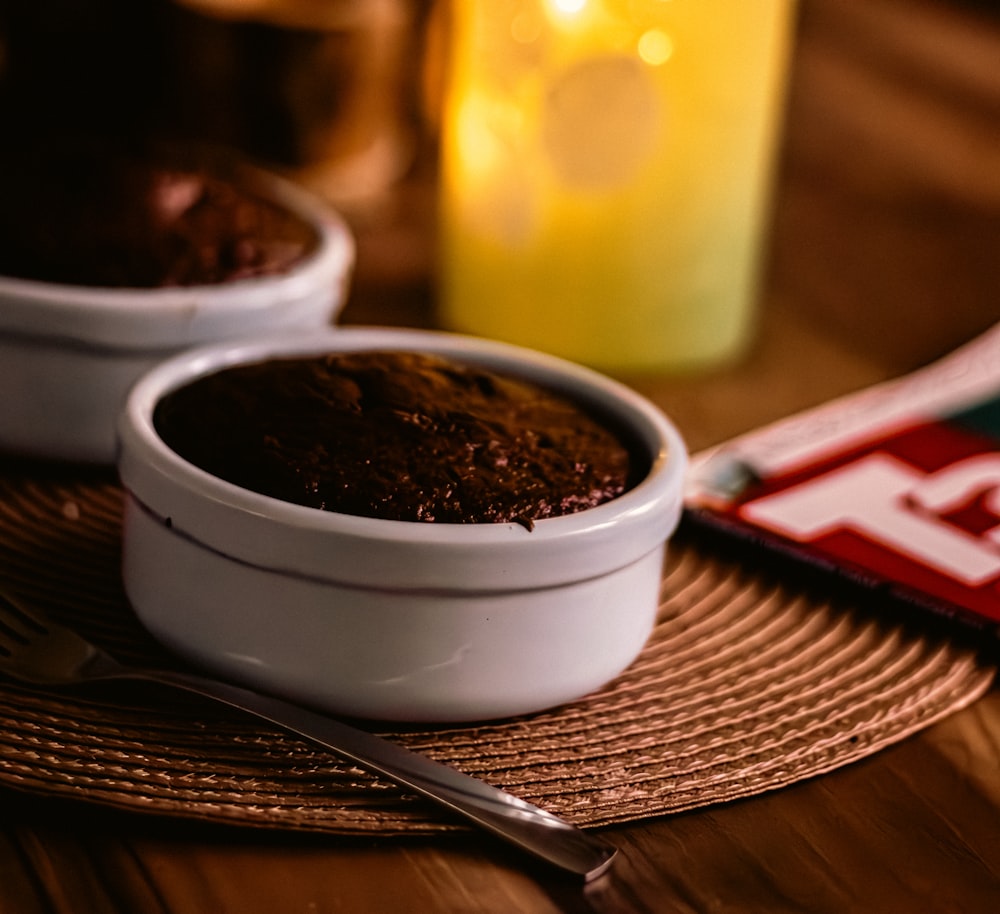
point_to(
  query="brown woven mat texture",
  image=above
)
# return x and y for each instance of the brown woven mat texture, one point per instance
(746, 685)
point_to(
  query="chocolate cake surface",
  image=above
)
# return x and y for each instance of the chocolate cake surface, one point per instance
(400, 436)
(112, 216)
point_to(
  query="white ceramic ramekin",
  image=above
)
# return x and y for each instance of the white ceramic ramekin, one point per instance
(68, 354)
(395, 619)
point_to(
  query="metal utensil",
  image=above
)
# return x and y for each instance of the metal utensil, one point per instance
(36, 650)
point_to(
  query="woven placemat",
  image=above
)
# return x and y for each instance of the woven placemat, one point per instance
(748, 684)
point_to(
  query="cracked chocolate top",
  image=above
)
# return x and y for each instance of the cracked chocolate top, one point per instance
(102, 215)
(401, 436)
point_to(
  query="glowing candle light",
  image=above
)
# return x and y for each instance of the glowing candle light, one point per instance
(605, 173)
(655, 47)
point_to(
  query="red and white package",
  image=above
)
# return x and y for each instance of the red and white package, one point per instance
(896, 487)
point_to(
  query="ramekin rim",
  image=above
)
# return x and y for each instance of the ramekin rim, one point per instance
(82, 312)
(140, 444)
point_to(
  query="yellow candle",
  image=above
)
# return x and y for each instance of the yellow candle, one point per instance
(605, 169)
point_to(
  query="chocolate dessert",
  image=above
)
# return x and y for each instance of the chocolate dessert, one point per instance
(100, 214)
(400, 436)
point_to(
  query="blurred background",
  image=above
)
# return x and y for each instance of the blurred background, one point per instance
(342, 95)
(329, 89)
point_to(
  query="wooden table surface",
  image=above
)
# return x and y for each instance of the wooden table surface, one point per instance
(885, 254)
